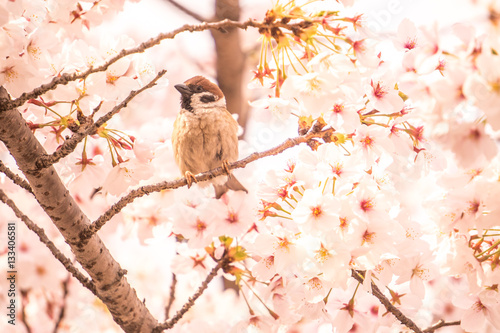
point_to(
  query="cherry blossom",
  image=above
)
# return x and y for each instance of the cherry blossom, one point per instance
(383, 96)
(279, 107)
(316, 212)
(481, 308)
(124, 175)
(407, 37)
(313, 88)
(395, 183)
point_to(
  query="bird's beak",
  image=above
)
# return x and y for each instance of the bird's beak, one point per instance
(183, 89)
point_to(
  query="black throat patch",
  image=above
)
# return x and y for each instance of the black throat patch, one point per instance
(186, 103)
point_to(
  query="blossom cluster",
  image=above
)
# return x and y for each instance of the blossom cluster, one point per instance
(400, 191)
(405, 191)
(46, 39)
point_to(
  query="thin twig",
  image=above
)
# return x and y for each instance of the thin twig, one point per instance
(15, 178)
(70, 145)
(45, 240)
(148, 189)
(358, 275)
(63, 306)
(172, 296)
(188, 11)
(440, 324)
(189, 304)
(24, 319)
(65, 78)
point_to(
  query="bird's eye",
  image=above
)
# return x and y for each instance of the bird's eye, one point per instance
(198, 89)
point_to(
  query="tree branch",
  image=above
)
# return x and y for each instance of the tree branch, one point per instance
(15, 178)
(62, 312)
(173, 184)
(172, 296)
(358, 275)
(188, 11)
(69, 145)
(112, 286)
(65, 78)
(65, 261)
(440, 324)
(189, 304)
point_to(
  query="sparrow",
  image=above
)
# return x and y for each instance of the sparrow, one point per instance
(205, 134)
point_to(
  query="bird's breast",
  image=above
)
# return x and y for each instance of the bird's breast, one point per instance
(206, 138)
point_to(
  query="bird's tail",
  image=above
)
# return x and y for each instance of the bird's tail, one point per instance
(231, 184)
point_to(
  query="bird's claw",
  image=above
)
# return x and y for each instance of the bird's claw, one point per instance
(225, 167)
(190, 178)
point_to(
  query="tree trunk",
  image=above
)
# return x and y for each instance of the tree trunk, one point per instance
(112, 286)
(230, 59)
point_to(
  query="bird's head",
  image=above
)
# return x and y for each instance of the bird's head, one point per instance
(200, 93)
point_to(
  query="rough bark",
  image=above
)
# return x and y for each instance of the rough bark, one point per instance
(230, 59)
(112, 286)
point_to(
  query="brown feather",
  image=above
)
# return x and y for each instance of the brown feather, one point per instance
(206, 84)
(231, 184)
